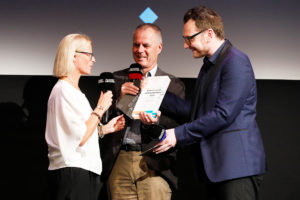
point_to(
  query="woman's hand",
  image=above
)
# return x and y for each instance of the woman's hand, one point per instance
(105, 101)
(114, 125)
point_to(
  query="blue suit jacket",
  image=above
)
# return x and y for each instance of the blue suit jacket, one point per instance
(224, 126)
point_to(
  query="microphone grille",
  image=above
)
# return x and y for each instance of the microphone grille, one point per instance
(103, 80)
(135, 68)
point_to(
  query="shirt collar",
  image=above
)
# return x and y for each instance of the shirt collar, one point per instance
(153, 71)
(214, 57)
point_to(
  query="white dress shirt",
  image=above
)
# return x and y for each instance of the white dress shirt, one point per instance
(152, 71)
(68, 110)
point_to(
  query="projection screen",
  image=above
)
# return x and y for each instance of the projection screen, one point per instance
(30, 31)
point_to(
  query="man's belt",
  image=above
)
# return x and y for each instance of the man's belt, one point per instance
(131, 147)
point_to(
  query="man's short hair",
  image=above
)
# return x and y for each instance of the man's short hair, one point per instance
(155, 27)
(206, 18)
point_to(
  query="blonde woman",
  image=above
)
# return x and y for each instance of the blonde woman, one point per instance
(73, 127)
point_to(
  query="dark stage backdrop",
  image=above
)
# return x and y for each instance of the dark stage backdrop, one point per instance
(267, 30)
(23, 105)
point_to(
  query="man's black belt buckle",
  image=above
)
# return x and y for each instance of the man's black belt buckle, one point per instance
(131, 147)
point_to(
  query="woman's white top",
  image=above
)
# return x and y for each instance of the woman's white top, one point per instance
(68, 110)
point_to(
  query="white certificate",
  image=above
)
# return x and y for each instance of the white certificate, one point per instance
(151, 95)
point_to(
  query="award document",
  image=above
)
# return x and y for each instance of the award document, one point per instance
(151, 96)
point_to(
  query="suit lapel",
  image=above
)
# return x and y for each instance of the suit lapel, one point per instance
(196, 95)
(200, 95)
(216, 68)
(159, 72)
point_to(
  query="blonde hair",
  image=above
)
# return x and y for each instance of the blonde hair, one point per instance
(63, 64)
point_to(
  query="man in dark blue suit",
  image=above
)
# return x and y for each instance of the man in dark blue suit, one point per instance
(227, 145)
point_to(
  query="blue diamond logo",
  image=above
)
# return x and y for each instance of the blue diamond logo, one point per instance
(148, 16)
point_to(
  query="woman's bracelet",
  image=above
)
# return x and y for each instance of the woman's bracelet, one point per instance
(100, 107)
(94, 113)
(100, 129)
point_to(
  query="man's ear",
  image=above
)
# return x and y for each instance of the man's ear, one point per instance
(160, 46)
(210, 35)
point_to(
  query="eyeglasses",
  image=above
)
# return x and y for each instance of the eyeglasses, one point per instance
(188, 39)
(87, 53)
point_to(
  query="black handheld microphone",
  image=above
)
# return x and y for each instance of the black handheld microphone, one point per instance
(135, 74)
(106, 82)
